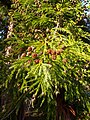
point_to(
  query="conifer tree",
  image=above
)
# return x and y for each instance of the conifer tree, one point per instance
(49, 64)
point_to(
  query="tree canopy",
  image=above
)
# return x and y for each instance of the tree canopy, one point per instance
(45, 59)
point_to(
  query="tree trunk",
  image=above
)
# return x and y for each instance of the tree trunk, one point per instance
(60, 102)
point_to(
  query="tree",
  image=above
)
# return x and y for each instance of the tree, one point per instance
(47, 58)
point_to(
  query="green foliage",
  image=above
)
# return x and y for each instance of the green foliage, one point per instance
(57, 56)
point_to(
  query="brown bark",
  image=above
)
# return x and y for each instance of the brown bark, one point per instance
(63, 110)
(60, 102)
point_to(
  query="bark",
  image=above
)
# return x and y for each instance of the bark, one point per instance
(60, 102)
(63, 110)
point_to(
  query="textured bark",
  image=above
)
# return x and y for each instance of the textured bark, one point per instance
(63, 110)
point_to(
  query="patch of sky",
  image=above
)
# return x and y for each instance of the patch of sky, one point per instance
(1, 34)
(86, 4)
